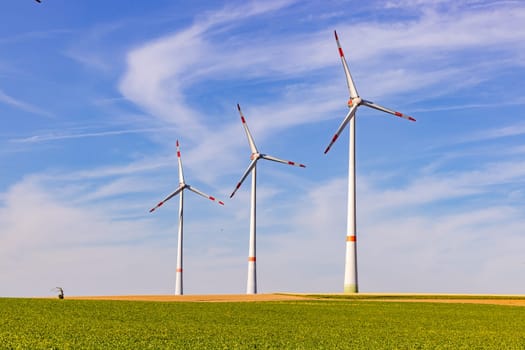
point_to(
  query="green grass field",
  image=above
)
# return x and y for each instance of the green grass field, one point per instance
(325, 324)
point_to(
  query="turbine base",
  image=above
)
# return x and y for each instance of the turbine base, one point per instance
(350, 289)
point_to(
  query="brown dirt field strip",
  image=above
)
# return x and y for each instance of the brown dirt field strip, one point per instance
(289, 297)
(508, 302)
(198, 298)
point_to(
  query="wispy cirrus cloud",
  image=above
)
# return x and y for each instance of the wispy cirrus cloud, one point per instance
(299, 53)
(162, 82)
(35, 35)
(57, 136)
(496, 133)
(21, 105)
(160, 88)
(438, 185)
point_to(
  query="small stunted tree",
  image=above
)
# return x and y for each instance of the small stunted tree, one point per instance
(60, 292)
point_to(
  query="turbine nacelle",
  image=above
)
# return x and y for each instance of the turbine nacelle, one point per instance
(356, 101)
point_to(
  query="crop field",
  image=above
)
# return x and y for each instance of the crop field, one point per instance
(334, 323)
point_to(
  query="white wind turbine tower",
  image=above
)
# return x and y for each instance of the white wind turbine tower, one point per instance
(350, 281)
(251, 285)
(180, 190)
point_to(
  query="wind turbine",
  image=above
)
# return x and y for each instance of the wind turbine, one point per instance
(251, 285)
(350, 281)
(180, 190)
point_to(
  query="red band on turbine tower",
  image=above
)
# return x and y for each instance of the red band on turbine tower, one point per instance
(179, 270)
(251, 258)
(351, 238)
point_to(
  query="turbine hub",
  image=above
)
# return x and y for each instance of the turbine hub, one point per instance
(255, 156)
(354, 102)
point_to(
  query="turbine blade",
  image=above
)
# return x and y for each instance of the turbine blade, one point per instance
(177, 191)
(383, 109)
(349, 81)
(250, 167)
(181, 174)
(248, 134)
(193, 189)
(275, 159)
(349, 116)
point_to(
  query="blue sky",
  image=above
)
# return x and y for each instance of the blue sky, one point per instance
(94, 95)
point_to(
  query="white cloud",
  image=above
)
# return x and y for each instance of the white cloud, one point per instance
(123, 185)
(24, 106)
(35, 35)
(72, 239)
(159, 72)
(458, 248)
(60, 135)
(500, 132)
(47, 240)
(136, 167)
(159, 78)
(443, 252)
